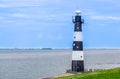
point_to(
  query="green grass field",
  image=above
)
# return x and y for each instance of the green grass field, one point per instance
(102, 74)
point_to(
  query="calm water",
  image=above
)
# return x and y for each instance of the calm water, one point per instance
(37, 64)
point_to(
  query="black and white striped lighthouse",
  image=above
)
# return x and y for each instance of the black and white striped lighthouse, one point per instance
(77, 54)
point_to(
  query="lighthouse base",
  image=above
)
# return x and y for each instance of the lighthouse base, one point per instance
(77, 66)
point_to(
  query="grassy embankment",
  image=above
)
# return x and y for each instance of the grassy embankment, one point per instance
(102, 74)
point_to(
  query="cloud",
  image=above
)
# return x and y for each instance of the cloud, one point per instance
(15, 18)
(20, 3)
(117, 18)
(20, 15)
(3, 6)
(1, 18)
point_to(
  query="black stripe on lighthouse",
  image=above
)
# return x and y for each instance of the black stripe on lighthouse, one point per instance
(77, 46)
(78, 26)
(77, 55)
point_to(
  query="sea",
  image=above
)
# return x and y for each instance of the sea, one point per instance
(38, 64)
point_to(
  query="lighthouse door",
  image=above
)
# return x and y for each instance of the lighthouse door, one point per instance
(80, 67)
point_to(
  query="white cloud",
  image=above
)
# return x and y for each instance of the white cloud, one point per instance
(105, 17)
(20, 15)
(108, 1)
(3, 5)
(1, 18)
(9, 18)
(20, 3)
(50, 37)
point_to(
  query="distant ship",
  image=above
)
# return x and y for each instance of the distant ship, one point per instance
(46, 48)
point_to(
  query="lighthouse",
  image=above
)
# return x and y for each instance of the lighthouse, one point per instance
(77, 53)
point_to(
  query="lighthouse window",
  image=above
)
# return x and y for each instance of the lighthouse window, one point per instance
(74, 44)
(77, 27)
(81, 56)
(77, 23)
(77, 46)
(74, 37)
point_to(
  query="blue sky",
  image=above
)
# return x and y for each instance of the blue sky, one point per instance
(47, 23)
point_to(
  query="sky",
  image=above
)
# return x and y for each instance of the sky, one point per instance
(48, 23)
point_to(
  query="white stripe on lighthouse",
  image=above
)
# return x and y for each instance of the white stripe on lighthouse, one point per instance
(77, 36)
(77, 55)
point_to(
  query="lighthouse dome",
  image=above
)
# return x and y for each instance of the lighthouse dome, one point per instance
(78, 12)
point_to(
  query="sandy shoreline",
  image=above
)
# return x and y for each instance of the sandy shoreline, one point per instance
(62, 75)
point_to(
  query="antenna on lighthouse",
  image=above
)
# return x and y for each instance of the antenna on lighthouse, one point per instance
(73, 20)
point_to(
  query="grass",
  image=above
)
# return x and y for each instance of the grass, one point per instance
(102, 74)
